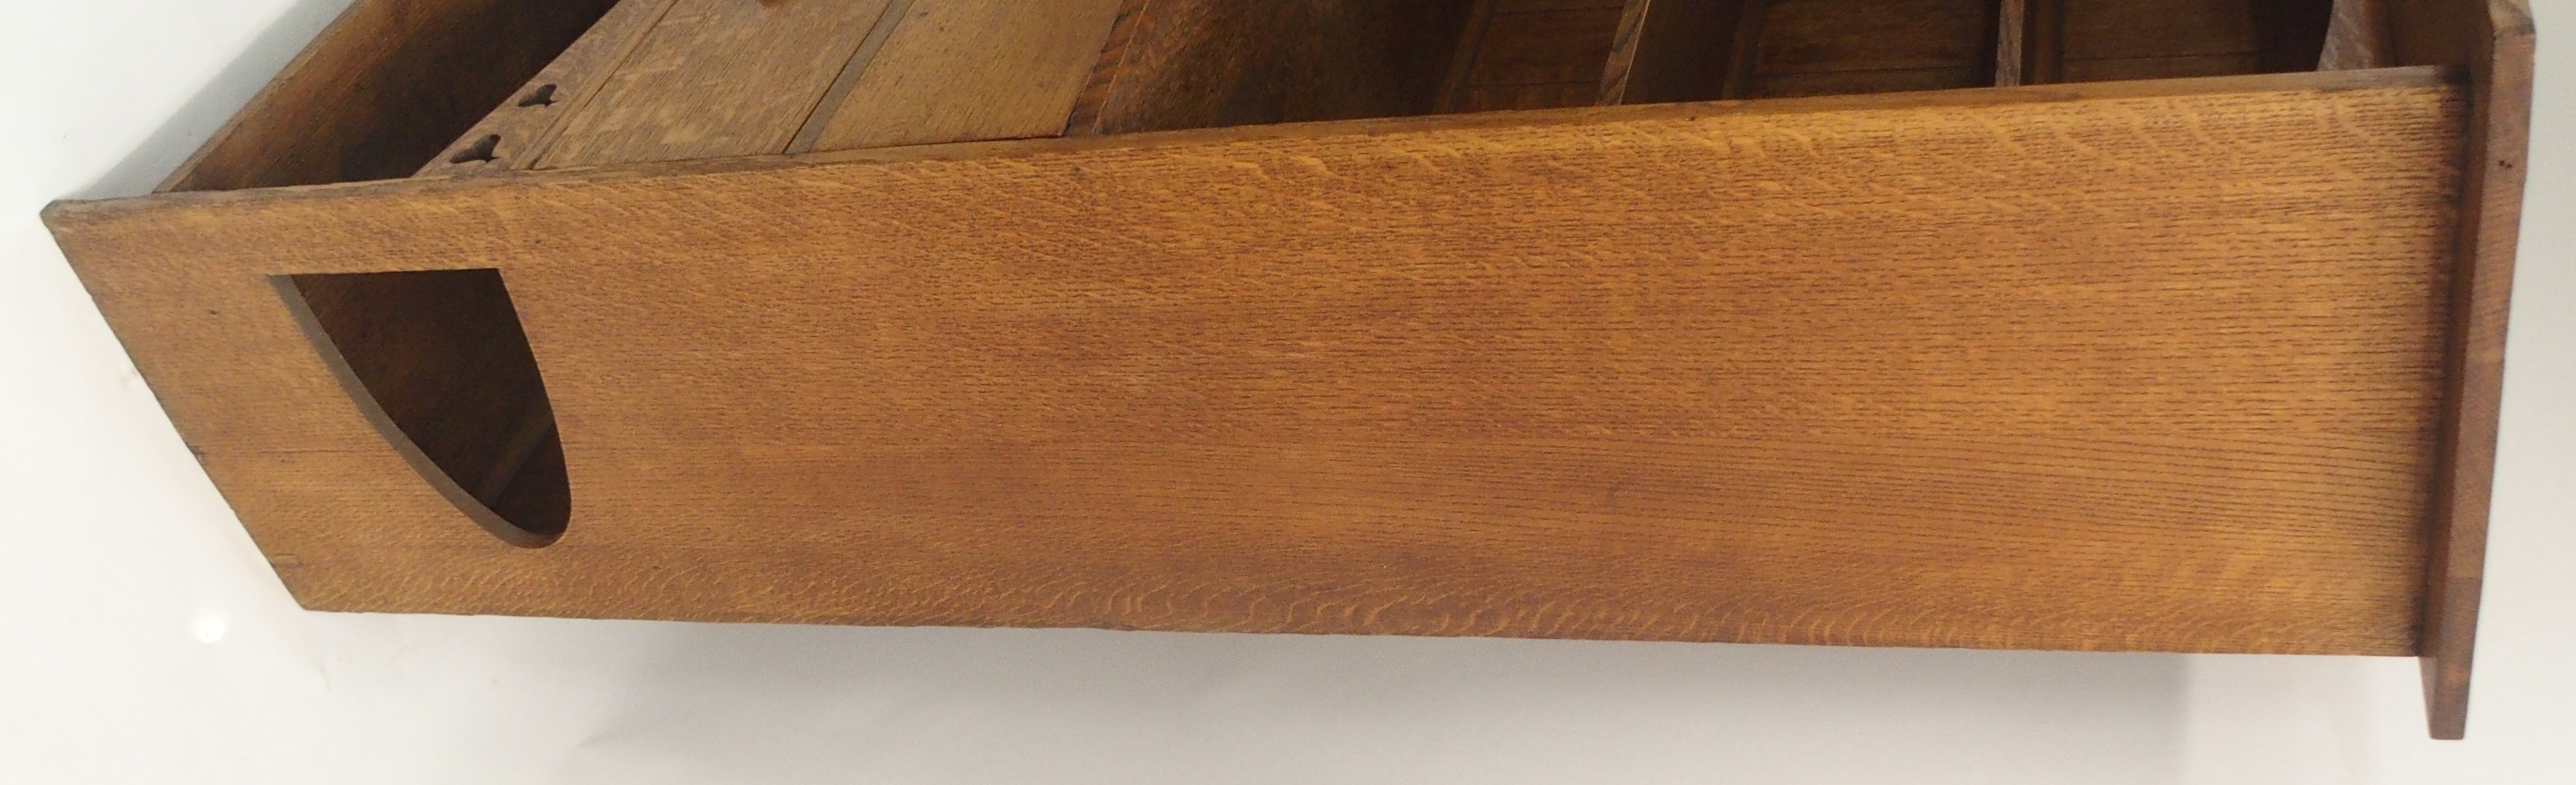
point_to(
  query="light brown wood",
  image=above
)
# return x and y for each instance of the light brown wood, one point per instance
(512, 136)
(1412, 376)
(359, 102)
(2495, 39)
(969, 70)
(1174, 64)
(717, 78)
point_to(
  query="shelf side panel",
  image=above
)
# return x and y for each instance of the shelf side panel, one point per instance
(1859, 370)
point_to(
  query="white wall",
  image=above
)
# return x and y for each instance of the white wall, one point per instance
(142, 638)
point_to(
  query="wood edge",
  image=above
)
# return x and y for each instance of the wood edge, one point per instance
(1623, 53)
(76, 214)
(268, 94)
(555, 129)
(1091, 106)
(328, 351)
(818, 121)
(2011, 38)
(2490, 226)
(1744, 50)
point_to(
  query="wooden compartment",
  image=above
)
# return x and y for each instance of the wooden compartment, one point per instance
(2067, 324)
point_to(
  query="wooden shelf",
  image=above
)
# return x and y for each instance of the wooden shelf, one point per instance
(2064, 324)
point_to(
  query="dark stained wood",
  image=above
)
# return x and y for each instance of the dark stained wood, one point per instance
(2043, 45)
(2495, 40)
(2156, 39)
(1824, 47)
(383, 90)
(1410, 376)
(1174, 64)
(1671, 50)
(2290, 35)
(440, 365)
(1520, 54)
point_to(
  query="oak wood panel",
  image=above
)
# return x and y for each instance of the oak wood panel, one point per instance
(512, 135)
(1533, 55)
(717, 78)
(2495, 40)
(1176, 64)
(382, 90)
(2163, 39)
(1412, 376)
(969, 70)
(1811, 47)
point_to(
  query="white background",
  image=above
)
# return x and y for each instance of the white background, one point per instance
(143, 639)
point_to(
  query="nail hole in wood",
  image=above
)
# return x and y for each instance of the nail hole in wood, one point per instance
(483, 150)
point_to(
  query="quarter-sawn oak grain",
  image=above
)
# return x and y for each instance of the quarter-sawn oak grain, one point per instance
(1850, 370)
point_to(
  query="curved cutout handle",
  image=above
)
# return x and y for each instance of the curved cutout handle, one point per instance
(438, 362)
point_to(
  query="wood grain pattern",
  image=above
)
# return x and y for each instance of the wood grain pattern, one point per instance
(970, 70)
(513, 135)
(717, 78)
(1176, 64)
(2496, 39)
(1848, 370)
(2357, 37)
(2161, 39)
(382, 90)
(1832, 47)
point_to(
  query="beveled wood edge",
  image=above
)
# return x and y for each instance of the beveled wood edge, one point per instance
(269, 93)
(328, 351)
(2490, 224)
(65, 212)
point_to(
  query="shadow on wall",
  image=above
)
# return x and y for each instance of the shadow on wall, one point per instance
(215, 103)
(778, 704)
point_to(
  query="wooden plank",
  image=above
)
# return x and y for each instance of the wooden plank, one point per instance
(512, 135)
(2495, 40)
(1811, 47)
(969, 70)
(2044, 42)
(1670, 50)
(2012, 44)
(2357, 37)
(2159, 39)
(382, 90)
(1744, 49)
(1174, 64)
(1545, 47)
(1407, 376)
(716, 78)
